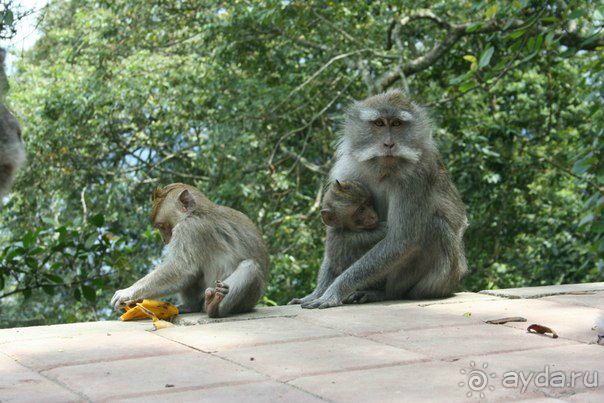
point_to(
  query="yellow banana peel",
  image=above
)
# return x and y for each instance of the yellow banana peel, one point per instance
(158, 309)
(157, 323)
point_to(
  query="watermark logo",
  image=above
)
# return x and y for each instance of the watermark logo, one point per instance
(477, 379)
(549, 378)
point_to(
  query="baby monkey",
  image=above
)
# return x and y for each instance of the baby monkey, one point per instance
(353, 227)
(348, 206)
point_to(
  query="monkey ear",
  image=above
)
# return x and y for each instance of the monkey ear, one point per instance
(328, 217)
(187, 200)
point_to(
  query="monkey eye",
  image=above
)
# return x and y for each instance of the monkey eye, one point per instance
(361, 209)
(378, 122)
(396, 122)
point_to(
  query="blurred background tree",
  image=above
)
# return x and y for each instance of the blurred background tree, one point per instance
(243, 99)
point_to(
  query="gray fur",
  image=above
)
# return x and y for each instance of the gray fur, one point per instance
(422, 253)
(12, 152)
(208, 243)
(342, 249)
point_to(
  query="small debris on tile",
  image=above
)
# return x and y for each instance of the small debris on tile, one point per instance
(540, 329)
(505, 320)
(168, 385)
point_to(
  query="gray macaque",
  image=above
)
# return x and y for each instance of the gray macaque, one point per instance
(12, 151)
(208, 247)
(353, 227)
(387, 146)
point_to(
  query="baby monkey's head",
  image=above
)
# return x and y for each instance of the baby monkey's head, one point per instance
(348, 205)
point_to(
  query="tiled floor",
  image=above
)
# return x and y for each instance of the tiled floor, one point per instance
(397, 351)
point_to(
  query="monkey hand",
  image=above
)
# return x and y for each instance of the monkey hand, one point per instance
(303, 300)
(325, 301)
(122, 297)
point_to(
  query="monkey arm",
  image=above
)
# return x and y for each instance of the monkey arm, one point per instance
(326, 277)
(388, 254)
(359, 239)
(324, 280)
(167, 278)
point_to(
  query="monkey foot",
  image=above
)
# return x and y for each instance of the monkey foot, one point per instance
(213, 297)
(365, 296)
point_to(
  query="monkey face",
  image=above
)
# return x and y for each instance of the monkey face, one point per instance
(365, 218)
(165, 230)
(171, 208)
(348, 205)
(386, 127)
(165, 220)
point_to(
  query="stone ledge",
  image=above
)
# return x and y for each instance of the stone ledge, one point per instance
(545, 291)
(388, 351)
(290, 311)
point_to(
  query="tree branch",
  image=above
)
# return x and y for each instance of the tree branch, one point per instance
(454, 33)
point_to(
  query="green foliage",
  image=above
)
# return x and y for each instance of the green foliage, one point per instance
(243, 99)
(10, 14)
(71, 263)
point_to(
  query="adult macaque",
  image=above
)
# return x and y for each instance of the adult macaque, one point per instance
(12, 152)
(209, 247)
(353, 227)
(387, 145)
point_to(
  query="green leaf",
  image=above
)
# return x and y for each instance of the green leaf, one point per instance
(56, 265)
(467, 86)
(587, 219)
(600, 175)
(54, 278)
(460, 78)
(97, 220)
(549, 38)
(47, 220)
(485, 58)
(8, 18)
(29, 239)
(473, 27)
(491, 11)
(576, 14)
(549, 19)
(90, 241)
(538, 43)
(89, 293)
(583, 164)
(49, 290)
(597, 227)
(517, 34)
